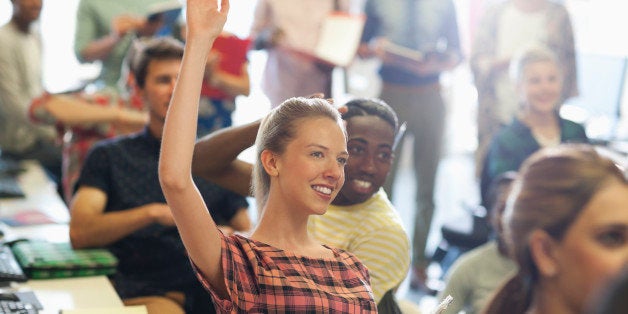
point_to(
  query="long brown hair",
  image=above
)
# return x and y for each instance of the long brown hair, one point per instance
(552, 188)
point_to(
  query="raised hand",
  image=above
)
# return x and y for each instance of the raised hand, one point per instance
(125, 23)
(206, 18)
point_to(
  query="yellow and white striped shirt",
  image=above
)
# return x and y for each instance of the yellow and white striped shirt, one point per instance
(373, 232)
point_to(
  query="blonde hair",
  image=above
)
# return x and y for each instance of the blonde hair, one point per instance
(278, 128)
(530, 55)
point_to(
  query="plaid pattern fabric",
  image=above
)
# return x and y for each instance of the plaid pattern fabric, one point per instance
(374, 233)
(264, 279)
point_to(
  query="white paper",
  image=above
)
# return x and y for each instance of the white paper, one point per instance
(339, 38)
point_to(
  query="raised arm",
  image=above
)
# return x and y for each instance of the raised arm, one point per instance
(205, 19)
(215, 157)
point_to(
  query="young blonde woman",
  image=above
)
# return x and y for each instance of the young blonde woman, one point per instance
(539, 83)
(361, 219)
(301, 153)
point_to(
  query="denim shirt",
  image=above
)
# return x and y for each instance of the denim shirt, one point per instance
(422, 25)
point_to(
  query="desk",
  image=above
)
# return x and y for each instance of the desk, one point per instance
(41, 197)
(54, 294)
(73, 293)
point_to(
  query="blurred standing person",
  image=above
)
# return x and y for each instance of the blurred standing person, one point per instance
(20, 81)
(226, 77)
(282, 27)
(499, 35)
(412, 88)
(105, 30)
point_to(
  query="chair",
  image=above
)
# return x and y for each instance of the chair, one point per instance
(462, 235)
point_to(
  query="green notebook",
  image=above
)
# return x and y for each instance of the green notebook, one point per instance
(43, 260)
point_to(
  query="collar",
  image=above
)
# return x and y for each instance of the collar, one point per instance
(520, 127)
(149, 138)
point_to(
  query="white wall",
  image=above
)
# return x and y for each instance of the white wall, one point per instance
(598, 25)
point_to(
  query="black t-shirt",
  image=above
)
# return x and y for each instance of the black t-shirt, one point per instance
(152, 259)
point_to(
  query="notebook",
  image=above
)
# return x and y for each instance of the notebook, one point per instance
(43, 260)
(337, 42)
(168, 12)
(339, 38)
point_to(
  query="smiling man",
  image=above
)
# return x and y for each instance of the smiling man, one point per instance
(361, 219)
(119, 203)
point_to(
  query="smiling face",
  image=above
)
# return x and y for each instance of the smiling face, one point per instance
(310, 171)
(370, 158)
(595, 247)
(540, 86)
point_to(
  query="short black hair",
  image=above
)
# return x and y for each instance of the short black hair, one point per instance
(372, 107)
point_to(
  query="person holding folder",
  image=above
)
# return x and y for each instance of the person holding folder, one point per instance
(288, 30)
(411, 86)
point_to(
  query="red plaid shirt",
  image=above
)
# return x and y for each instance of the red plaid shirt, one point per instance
(264, 279)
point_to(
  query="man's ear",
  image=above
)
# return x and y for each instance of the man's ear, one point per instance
(543, 249)
(269, 161)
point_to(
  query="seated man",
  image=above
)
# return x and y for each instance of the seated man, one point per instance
(360, 219)
(119, 203)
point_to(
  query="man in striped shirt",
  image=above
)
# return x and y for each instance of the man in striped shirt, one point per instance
(360, 220)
